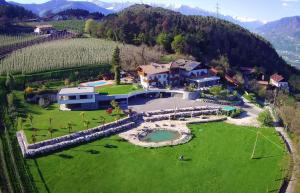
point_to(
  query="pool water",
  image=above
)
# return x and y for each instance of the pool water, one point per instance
(161, 136)
(96, 84)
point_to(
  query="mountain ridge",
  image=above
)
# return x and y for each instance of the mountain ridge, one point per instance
(114, 7)
(56, 6)
(284, 34)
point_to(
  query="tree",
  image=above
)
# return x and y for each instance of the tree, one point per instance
(70, 126)
(116, 63)
(30, 117)
(82, 114)
(90, 26)
(50, 129)
(265, 118)
(164, 40)
(216, 90)
(178, 44)
(102, 119)
(9, 83)
(33, 138)
(87, 123)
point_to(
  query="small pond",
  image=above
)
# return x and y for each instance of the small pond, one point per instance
(161, 136)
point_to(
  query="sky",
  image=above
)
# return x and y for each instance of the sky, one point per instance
(263, 10)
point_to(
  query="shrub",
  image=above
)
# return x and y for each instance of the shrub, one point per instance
(250, 97)
(236, 113)
(265, 118)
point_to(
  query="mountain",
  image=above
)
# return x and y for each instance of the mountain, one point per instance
(184, 9)
(289, 26)
(284, 34)
(114, 7)
(60, 5)
(205, 38)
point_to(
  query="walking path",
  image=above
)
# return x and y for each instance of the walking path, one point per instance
(292, 150)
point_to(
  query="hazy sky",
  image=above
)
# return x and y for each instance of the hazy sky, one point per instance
(264, 10)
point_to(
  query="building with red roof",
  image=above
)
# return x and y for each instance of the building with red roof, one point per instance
(279, 81)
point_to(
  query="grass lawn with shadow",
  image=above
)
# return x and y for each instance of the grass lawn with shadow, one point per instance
(216, 160)
(60, 119)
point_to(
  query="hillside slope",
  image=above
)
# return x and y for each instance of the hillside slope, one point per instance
(206, 38)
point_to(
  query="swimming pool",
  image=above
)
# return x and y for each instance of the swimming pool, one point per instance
(161, 136)
(96, 83)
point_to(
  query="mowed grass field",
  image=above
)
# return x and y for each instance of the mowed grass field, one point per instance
(217, 160)
(118, 89)
(60, 120)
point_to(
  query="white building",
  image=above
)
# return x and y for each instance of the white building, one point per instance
(279, 81)
(79, 97)
(155, 75)
(176, 73)
(44, 29)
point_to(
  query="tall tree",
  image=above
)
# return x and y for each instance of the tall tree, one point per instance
(164, 40)
(9, 81)
(116, 63)
(178, 44)
(90, 26)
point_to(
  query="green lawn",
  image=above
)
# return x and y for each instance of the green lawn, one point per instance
(60, 119)
(217, 161)
(118, 89)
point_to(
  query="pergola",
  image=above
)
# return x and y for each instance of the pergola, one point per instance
(206, 81)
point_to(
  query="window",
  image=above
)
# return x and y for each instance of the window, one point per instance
(72, 97)
(83, 97)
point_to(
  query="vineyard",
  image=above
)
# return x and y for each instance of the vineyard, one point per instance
(8, 40)
(72, 53)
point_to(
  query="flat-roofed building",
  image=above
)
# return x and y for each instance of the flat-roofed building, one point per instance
(77, 97)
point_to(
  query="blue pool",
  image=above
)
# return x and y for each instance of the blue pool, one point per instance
(161, 136)
(96, 84)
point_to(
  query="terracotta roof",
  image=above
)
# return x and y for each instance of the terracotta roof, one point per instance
(261, 82)
(214, 71)
(231, 80)
(276, 77)
(155, 68)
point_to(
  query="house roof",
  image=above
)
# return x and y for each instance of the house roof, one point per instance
(187, 65)
(276, 77)
(155, 68)
(77, 90)
(261, 82)
(44, 26)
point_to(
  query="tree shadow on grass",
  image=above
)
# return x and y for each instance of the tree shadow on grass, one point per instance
(41, 176)
(265, 157)
(65, 156)
(110, 146)
(93, 152)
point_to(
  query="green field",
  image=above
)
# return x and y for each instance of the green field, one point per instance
(60, 120)
(118, 89)
(217, 160)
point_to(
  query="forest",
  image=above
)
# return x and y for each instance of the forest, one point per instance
(205, 38)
